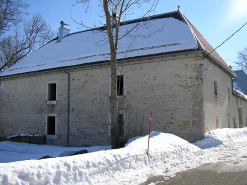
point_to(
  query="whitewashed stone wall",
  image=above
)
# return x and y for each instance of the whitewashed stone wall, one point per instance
(169, 86)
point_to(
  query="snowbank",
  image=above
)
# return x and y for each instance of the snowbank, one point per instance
(168, 155)
(222, 137)
(104, 167)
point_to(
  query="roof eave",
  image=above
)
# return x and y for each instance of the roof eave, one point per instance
(99, 63)
(219, 64)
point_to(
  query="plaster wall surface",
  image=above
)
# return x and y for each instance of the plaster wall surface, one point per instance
(238, 118)
(221, 110)
(216, 105)
(169, 86)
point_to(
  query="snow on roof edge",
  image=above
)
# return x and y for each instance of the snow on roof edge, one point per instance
(239, 94)
(98, 63)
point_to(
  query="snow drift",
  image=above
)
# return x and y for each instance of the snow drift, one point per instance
(104, 166)
(168, 155)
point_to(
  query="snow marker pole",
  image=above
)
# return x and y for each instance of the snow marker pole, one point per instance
(207, 127)
(149, 130)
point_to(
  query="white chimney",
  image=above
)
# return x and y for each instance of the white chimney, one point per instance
(63, 30)
(115, 18)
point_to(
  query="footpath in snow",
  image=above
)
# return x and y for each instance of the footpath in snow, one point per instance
(168, 155)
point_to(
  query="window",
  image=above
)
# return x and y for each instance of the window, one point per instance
(50, 125)
(229, 120)
(120, 85)
(215, 88)
(217, 122)
(229, 93)
(234, 123)
(51, 92)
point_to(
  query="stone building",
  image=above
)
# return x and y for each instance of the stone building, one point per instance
(63, 89)
(241, 82)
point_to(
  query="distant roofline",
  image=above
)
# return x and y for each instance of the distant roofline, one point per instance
(240, 70)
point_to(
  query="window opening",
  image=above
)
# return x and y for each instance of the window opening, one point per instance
(217, 122)
(52, 92)
(50, 125)
(215, 88)
(229, 93)
(240, 115)
(229, 120)
(120, 85)
(234, 123)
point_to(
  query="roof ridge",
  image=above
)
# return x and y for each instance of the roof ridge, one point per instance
(205, 45)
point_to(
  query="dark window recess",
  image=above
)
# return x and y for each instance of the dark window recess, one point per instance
(120, 85)
(52, 92)
(215, 88)
(229, 93)
(234, 123)
(51, 125)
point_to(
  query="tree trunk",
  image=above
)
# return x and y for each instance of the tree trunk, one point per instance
(115, 142)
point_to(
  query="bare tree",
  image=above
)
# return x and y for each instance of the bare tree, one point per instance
(11, 13)
(242, 59)
(114, 11)
(23, 40)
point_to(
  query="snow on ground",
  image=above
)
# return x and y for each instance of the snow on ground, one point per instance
(168, 155)
(12, 151)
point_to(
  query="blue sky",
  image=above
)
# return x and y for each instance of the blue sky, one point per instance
(216, 20)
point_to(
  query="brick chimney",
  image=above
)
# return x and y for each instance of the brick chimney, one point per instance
(63, 30)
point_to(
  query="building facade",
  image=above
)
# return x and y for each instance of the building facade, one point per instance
(66, 96)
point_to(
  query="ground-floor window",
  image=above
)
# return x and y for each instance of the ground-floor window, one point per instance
(51, 125)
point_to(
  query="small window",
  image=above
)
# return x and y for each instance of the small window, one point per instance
(215, 88)
(229, 93)
(52, 92)
(217, 122)
(229, 120)
(234, 123)
(50, 125)
(121, 124)
(120, 85)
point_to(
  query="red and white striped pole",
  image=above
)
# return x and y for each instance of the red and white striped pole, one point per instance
(149, 130)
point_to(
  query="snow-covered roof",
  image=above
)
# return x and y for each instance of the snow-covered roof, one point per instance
(164, 33)
(239, 94)
(170, 35)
